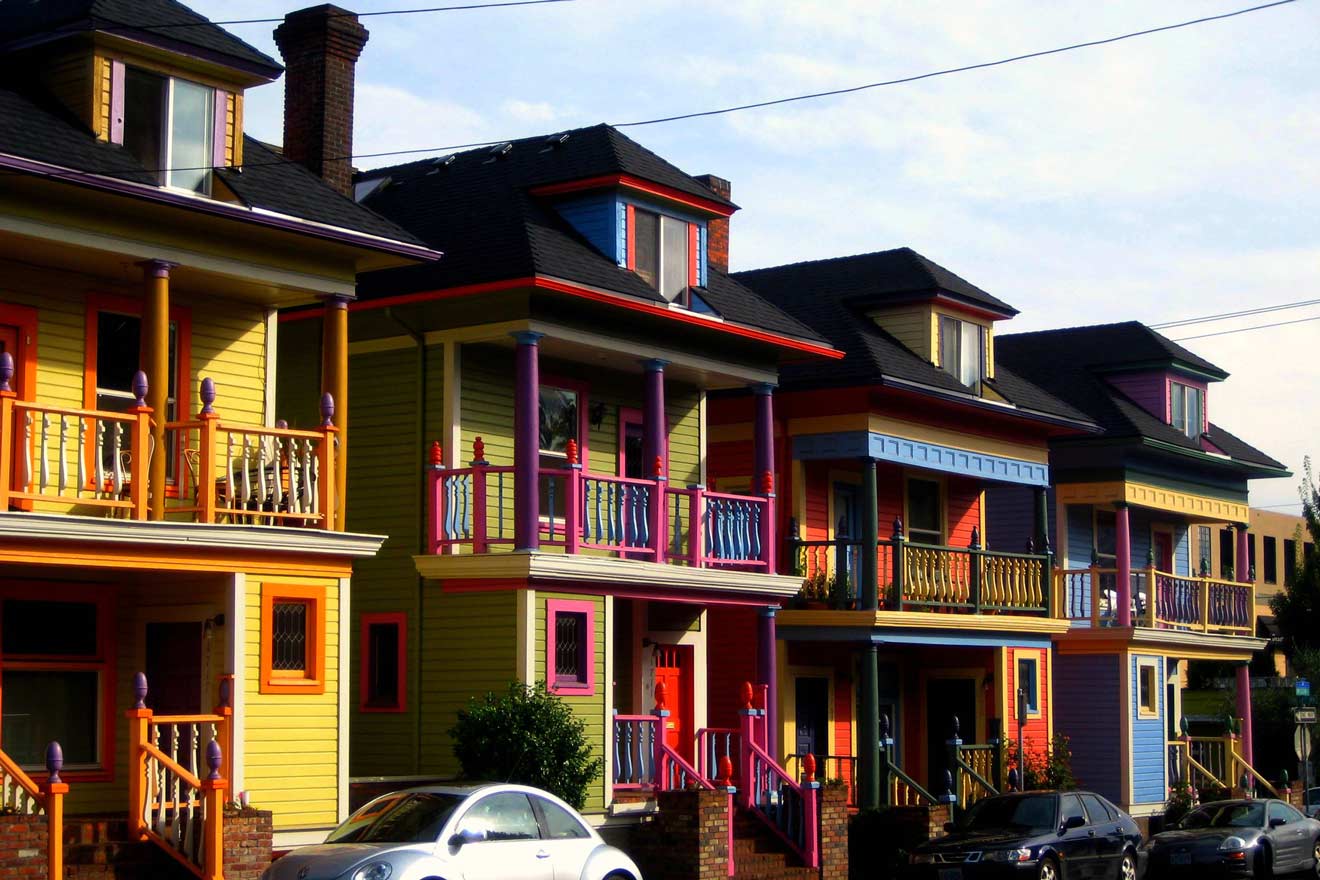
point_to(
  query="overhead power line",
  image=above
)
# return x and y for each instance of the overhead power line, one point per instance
(1182, 322)
(741, 107)
(1246, 329)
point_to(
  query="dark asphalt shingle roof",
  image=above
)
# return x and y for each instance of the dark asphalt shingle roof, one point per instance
(483, 216)
(1072, 363)
(158, 21)
(34, 126)
(833, 296)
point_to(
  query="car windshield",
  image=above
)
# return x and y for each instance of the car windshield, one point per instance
(1242, 815)
(1028, 813)
(407, 817)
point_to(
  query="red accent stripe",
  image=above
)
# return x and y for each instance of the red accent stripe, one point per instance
(694, 253)
(630, 234)
(636, 183)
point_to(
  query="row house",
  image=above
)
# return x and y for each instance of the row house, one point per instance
(532, 431)
(174, 565)
(912, 628)
(1128, 504)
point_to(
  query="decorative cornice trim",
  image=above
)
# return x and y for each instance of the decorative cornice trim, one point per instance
(917, 453)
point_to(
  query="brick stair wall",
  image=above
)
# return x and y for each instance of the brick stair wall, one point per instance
(99, 848)
(23, 847)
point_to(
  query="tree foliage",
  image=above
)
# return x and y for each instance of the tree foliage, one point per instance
(526, 735)
(1297, 607)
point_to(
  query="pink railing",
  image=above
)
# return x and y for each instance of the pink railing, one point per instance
(474, 507)
(791, 810)
(715, 745)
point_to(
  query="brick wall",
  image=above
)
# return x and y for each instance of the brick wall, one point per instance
(23, 847)
(688, 840)
(834, 832)
(247, 844)
(717, 229)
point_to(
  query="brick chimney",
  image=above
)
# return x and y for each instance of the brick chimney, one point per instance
(320, 46)
(717, 230)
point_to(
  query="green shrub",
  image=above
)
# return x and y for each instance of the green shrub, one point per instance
(1049, 768)
(526, 735)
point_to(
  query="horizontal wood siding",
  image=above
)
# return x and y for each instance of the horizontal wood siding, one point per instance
(384, 485)
(842, 743)
(963, 500)
(69, 79)
(730, 661)
(910, 326)
(596, 218)
(298, 373)
(1149, 739)
(292, 740)
(229, 347)
(469, 648)
(1009, 515)
(1037, 725)
(1089, 714)
(1146, 390)
(590, 710)
(1081, 535)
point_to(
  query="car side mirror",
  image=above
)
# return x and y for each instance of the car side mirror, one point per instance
(1073, 822)
(1277, 821)
(466, 836)
(949, 827)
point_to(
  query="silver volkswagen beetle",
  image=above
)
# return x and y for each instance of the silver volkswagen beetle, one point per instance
(460, 832)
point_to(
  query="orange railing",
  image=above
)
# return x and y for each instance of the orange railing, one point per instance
(21, 795)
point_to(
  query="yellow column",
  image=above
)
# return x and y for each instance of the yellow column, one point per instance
(334, 380)
(155, 356)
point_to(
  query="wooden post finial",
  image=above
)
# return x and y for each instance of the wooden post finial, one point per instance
(6, 370)
(571, 452)
(478, 450)
(437, 454)
(659, 466)
(725, 777)
(660, 689)
(767, 483)
(745, 695)
(207, 395)
(809, 767)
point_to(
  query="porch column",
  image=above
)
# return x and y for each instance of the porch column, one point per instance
(767, 670)
(334, 381)
(868, 732)
(1244, 710)
(653, 416)
(1242, 564)
(1123, 552)
(868, 591)
(155, 356)
(1042, 514)
(526, 441)
(763, 433)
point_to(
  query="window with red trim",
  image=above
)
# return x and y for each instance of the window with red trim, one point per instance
(384, 662)
(56, 676)
(661, 253)
(570, 639)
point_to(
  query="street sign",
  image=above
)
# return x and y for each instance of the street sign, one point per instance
(1302, 688)
(1302, 743)
(1304, 715)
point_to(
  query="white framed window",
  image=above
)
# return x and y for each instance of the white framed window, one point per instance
(962, 351)
(1187, 409)
(1148, 688)
(169, 126)
(661, 254)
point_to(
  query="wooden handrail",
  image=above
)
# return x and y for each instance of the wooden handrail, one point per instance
(172, 765)
(9, 767)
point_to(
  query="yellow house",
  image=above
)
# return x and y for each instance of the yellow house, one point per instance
(173, 564)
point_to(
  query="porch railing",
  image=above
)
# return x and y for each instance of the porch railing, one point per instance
(1196, 604)
(897, 788)
(220, 471)
(832, 767)
(473, 509)
(917, 577)
(176, 787)
(20, 795)
(1213, 762)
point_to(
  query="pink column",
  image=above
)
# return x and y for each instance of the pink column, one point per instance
(1242, 564)
(1244, 709)
(768, 672)
(1123, 550)
(526, 442)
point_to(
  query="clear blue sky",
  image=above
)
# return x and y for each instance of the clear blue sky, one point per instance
(1165, 177)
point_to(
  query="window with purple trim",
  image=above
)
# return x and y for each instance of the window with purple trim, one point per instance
(168, 127)
(570, 647)
(1187, 408)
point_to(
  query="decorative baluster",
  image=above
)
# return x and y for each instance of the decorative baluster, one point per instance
(676, 532)
(294, 498)
(231, 491)
(26, 476)
(185, 810)
(308, 483)
(263, 495)
(754, 533)
(550, 500)
(600, 492)
(63, 469)
(81, 427)
(45, 455)
(100, 459)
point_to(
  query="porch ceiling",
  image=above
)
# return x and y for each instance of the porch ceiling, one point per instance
(495, 570)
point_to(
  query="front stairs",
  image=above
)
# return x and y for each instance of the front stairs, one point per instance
(759, 854)
(97, 847)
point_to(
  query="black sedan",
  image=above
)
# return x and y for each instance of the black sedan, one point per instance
(1247, 837)
(1042, 835)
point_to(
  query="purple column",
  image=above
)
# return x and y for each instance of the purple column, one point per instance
(767, 670)
(1244, 709)
(1242, 565)
(653, 416)
(526, 442)
(1123, 550)
(763, 442)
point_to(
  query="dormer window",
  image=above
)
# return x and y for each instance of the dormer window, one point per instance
(962, 351)
(661, 254)
(1187, 408)
(169, 125)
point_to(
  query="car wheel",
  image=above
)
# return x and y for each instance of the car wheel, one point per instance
(1315, 857)
(1264, 866)
(1127, 867)
(1049, 869)
(619, 875)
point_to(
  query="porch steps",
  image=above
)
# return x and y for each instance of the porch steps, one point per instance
(98, 848)
(759, 855)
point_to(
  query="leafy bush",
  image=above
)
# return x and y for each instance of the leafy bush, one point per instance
(1045, 768)
(526, 735)
(1181, 800)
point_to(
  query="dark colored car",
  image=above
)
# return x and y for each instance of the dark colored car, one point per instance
(1245, 837)
(1042, 835)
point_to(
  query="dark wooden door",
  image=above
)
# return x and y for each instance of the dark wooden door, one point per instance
(945, 698)
(174, 668)
(812, 709)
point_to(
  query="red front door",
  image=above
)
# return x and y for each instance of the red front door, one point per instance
(673, 669)
(1164, 552)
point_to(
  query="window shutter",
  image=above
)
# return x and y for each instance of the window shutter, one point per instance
(694, 254)
(630, 224)
(219, 129)
(117, 102)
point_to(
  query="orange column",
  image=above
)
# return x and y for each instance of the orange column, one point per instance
(334, 381)
(155, 361)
